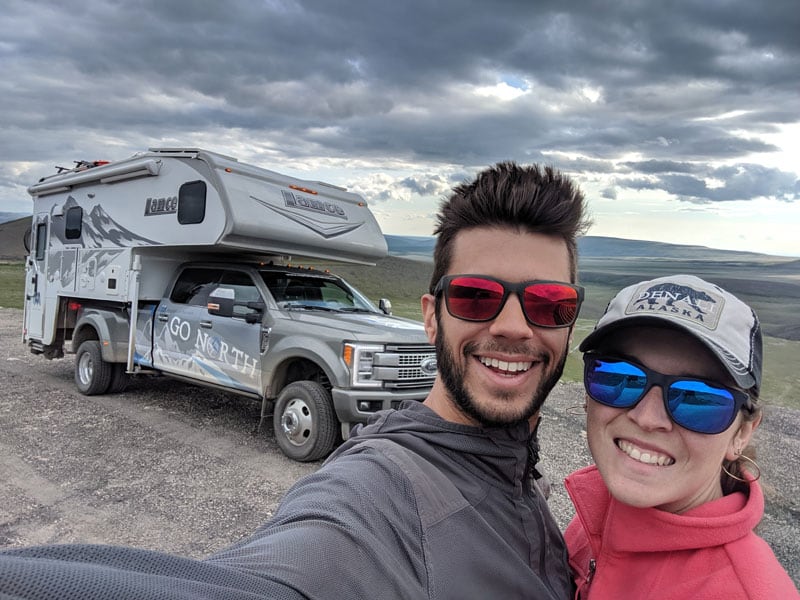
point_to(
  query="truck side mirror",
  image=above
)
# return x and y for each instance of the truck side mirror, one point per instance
(385, 305)
(220, 302)
(258, 307)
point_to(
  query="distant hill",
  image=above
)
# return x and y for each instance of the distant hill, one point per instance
(609, 247)
(411, 246)
(421, 248)
(11, 234)
(770, 284)
(13, 216)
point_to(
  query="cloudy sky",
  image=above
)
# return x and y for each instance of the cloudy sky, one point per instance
(680, 119)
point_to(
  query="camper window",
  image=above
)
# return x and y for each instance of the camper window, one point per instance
(41, 240)
(73, 223)
(192, 202)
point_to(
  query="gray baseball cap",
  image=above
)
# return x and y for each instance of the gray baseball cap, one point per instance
(718, 319)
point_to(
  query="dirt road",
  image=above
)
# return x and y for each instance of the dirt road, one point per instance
(173, 467)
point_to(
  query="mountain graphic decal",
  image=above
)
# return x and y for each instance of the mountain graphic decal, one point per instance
(99, 230)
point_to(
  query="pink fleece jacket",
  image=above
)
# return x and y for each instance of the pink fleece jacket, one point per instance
(619, 551)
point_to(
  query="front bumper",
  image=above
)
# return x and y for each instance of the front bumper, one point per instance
(356, 406)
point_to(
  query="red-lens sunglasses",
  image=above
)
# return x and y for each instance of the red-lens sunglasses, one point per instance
(481, 298)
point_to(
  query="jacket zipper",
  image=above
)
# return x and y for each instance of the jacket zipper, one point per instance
(582, 589)
(590, 572)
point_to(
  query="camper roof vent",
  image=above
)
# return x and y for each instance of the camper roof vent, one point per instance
(176, 150)
(190, 153)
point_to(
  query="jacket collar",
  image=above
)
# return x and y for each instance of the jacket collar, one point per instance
(624, 528)
(497, 455)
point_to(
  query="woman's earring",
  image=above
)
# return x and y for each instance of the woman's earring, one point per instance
(757, 474)
(754, 464)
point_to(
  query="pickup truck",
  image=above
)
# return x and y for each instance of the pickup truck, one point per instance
(177, 261)
(317, 352)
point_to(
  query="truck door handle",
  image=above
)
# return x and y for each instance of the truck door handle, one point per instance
(205, 324)
(163, 317)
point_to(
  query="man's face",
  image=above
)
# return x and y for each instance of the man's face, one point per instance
(497, 372)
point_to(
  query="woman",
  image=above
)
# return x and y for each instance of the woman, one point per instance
(672, 374)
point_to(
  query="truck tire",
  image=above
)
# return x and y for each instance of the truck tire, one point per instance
(92, 373)
(304, 422)
(119, 378)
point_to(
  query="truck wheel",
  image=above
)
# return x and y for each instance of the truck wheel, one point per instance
(304, 422)
(92, 373)
(119, 378)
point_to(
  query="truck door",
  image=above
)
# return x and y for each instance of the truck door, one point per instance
(176, 323)
(189, 341)
(232, 343)
(36, 279)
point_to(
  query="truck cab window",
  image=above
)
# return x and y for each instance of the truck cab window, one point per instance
(192, 202)
(335, 294)
(194, 286)
(244, 291)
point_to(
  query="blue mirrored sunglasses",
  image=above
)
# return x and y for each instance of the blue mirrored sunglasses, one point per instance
(695, 404)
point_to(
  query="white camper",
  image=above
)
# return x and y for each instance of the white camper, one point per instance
(175, 261)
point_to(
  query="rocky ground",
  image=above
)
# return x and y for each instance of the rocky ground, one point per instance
(173, 467)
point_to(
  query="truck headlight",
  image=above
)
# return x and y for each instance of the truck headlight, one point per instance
(360, 359)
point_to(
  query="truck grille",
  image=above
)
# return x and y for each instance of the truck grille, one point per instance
(405, 367)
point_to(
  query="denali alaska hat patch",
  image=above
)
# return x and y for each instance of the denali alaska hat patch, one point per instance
(681, 301)
(718, 319)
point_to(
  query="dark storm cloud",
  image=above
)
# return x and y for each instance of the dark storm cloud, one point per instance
(662, 166)
(737, 182)
(682, 85)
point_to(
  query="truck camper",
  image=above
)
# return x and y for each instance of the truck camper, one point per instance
(177, 261)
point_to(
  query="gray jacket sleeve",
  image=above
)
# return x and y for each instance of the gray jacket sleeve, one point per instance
(349, 531)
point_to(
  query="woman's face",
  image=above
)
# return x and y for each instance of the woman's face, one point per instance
(646, 460)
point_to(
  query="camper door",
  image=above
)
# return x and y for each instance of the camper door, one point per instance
(36, 279)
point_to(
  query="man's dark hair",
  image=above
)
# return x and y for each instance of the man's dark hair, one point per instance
(527, 198)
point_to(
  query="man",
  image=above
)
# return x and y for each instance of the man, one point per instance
(435, 500)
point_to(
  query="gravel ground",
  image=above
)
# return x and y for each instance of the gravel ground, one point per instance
(178, 468)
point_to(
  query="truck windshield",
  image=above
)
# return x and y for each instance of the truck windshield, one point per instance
(307, 291)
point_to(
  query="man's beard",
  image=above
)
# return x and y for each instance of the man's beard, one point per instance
(453, 378)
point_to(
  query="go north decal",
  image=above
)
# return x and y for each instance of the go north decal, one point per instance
(180, 348)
